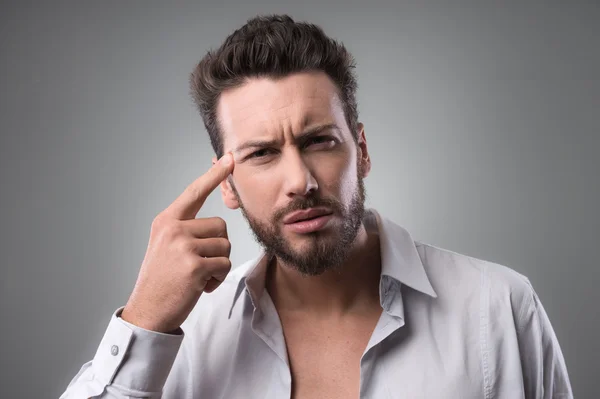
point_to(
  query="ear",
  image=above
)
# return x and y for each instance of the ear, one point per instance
(363, 151)
(227, 194)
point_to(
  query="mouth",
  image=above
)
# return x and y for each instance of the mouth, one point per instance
(306, 215)
(308, 221)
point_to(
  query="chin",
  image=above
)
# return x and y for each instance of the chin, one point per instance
(302, 238)
(307, 243)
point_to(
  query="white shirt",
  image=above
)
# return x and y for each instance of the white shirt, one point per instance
(452, 326)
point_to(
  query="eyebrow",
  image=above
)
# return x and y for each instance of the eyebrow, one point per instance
(298, 139)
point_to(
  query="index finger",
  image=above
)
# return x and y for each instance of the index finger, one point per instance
(189, 202)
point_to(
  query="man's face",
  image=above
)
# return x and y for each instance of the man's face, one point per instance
(295, 159)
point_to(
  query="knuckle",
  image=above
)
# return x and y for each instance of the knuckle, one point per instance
(195, 192)
(221, 226)
(158, 222)
(172, 229)
(221, 222)
(187, 246)
(227, 246)
(193, 265)
(227, 265)
(223, 271)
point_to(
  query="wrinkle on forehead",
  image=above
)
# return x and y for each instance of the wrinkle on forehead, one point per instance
(275, 95)
(265, 106)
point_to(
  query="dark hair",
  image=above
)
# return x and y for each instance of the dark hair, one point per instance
(271, 46)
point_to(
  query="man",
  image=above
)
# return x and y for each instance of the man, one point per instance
(342, 303)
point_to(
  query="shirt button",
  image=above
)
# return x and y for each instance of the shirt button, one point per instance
(114, 350)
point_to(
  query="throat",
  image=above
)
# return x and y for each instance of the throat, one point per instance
(352, 288)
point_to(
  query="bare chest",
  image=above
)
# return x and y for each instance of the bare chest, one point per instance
(325, 356)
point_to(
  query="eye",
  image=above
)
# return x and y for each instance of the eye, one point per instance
(322, 141)
(263, 152)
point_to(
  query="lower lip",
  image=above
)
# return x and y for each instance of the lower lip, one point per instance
(309, 226)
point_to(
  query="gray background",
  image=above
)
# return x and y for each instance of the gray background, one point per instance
(482, 120)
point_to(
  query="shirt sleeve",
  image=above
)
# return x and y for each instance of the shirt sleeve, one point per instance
(130, 361)
(544, 369)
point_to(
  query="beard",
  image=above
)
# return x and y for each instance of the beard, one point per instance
(322, 250)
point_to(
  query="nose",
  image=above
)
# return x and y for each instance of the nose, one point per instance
(298, 178)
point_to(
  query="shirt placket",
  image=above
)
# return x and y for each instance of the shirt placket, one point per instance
(391, 319)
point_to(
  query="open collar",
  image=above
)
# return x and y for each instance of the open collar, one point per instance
(400, 265)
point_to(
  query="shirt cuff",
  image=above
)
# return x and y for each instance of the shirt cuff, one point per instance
(135, 358)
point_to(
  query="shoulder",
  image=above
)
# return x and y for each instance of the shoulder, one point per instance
(451, 271)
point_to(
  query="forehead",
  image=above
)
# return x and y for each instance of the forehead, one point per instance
(265, 107)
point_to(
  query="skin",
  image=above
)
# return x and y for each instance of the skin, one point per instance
(328, 317)
(185, 257)
(268, 177)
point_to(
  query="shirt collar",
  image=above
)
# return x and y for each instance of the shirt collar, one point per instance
(400, 264)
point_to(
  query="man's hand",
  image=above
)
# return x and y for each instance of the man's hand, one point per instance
(185, 257)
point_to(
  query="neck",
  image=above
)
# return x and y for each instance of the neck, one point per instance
(351, 288)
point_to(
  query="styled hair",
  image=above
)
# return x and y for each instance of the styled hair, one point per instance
(272, 46)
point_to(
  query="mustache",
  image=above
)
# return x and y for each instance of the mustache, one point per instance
(300, 204)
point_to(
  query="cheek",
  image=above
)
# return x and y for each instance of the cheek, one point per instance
(338, 178)
(349, 184)
(257, 191)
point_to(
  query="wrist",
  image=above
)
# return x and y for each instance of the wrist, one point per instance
(130, 316)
